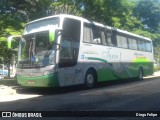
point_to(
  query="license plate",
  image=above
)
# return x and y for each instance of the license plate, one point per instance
(31, 82)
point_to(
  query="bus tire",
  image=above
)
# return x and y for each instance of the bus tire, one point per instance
(140, 74)
(90, 79)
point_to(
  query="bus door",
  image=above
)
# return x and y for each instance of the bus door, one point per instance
(69, 71)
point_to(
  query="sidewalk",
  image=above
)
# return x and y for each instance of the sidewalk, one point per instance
(156, 74)
(8, 82)
(6, 90)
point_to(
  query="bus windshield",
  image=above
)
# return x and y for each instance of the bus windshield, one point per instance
(37, 51)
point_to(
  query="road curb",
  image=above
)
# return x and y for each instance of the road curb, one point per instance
(8, 82)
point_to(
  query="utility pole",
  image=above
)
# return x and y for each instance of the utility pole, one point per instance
(2, 65)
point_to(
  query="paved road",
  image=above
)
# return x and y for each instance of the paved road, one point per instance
(128, 95)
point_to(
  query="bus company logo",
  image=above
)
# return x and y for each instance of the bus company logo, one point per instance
(111, 54)
(6, 114)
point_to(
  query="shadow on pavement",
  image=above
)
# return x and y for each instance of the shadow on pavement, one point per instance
(69, 89)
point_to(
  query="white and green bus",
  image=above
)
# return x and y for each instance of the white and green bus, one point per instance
(64, 50)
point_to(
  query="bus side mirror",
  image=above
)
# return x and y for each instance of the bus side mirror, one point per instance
(13, 42)
(53, 35)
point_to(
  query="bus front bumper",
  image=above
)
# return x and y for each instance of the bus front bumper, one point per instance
(50, 80)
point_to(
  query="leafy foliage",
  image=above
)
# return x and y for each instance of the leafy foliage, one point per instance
(149, 13)
(67, 7)
(141, 16)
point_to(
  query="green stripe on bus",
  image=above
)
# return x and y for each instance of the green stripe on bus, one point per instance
(141, 60)
(99, 59)
(51, 36)
(110, 74)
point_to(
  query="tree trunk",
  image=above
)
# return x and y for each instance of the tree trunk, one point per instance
(9, 62)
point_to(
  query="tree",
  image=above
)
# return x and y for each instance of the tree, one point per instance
(148, 11)
(115, 13)
(11, 23)
(72, 7)
(141, 16)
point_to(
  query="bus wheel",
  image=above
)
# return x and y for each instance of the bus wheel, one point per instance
(90, 79)
(140, 74)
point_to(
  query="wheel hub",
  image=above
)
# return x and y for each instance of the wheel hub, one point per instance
(90, 79)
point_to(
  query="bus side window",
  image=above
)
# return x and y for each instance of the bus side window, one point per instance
(108, 39)
(96, 34)
(87, 33)
(103, 37)
(148, 46)
(141, 45)
(132, 44)
(122, 41)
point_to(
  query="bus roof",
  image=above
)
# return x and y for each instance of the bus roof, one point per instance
(60, 15)
(91, 22)
(132, 34)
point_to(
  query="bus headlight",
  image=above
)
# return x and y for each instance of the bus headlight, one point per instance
(46, 72)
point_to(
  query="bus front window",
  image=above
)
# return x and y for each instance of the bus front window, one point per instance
(37, 51)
